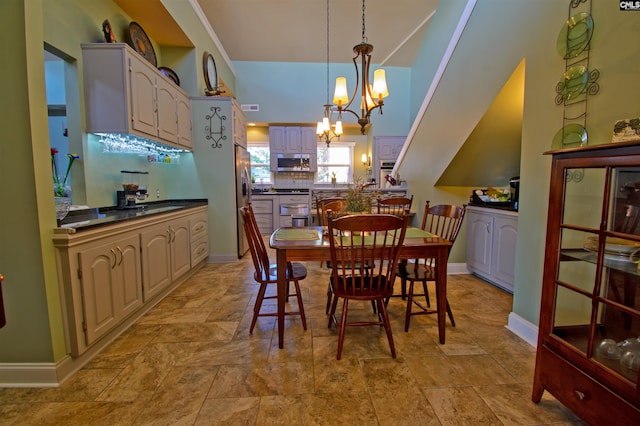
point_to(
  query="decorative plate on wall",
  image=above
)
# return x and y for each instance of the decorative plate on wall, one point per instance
(170, 73)
(141, 43)
(210, 75)
(575, 35)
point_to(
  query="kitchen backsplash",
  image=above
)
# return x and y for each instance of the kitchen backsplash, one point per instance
(293, 180)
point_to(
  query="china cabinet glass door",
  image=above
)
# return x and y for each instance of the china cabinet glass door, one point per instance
(597, 308)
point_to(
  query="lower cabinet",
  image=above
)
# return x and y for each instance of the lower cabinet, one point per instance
(110, 275)
(166, 255)
(263, 211)
(112, 283)
(491, 245)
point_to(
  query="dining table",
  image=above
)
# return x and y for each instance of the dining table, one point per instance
(311, 243)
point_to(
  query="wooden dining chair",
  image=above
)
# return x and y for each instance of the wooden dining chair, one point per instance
(395, 205)
(266, 273)
(444, 221)
(364, 257)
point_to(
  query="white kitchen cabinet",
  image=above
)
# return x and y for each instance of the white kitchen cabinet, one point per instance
(165, 255)
(111, 283)
(263, 211)
(102, 271)
(198, 237)
(491, 245)
(293, 140)
(124, 93)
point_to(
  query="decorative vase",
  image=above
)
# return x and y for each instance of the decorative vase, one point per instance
(63, 204)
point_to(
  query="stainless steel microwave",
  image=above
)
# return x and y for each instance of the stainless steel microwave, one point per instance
(293, 162)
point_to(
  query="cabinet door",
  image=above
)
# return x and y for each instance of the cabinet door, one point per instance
(293, 143)
(184, 121)
(143, 96)
(277, 142)
(99, 284)
(167, 110)
(156, 260)
(479, 236)
(309, 141)
(239, 126)
(130, 275)
(180, 248)
(505, 230)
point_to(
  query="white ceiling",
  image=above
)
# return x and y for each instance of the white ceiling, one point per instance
(296, 30)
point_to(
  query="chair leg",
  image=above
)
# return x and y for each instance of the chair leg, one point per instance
(387, 325)
(453, 323)
(403, 286)
(425, 288)
(407, 318)
(256, 308)
(343, 326)
(329, 299)
(332, 312)
(300, 305)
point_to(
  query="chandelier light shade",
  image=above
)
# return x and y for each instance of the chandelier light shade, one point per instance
(325, 130)
(371, 95)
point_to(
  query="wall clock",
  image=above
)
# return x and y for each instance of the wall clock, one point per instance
(210, 75)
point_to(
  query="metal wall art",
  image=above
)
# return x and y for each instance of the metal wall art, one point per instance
(579, 80)
(215, 131)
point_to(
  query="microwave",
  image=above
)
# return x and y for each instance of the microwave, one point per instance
(293, 162)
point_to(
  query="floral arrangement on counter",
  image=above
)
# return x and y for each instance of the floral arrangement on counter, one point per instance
(358, 200)
(60, 184)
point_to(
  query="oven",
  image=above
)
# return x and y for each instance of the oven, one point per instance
(298, 212)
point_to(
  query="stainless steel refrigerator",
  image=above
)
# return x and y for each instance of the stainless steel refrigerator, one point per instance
(243, 193)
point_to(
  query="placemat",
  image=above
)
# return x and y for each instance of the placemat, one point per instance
(418, 233)
(297, 234)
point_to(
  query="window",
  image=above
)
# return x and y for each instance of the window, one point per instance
(260, 170)
(336, 159)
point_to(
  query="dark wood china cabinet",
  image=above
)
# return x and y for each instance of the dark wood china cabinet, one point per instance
(589, 334)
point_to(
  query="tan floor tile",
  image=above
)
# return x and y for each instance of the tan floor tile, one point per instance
(460, 370)
(317, 409)
(179, 397)
(460, 406)
(228, 411)
(239, 381)
(513, 406)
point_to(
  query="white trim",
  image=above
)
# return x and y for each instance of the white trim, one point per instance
(399, 46)
(28, 375)
(523, 329)
(464, 18)
(207, 26)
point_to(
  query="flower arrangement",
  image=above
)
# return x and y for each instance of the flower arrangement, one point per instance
(59, 184)
(358, 200)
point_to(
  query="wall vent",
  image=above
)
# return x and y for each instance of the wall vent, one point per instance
(250, 107)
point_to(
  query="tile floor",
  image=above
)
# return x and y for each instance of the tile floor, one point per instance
(192, 361)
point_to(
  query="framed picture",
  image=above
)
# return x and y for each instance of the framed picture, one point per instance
(626, 130)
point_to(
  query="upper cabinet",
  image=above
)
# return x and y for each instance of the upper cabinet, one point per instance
(292, 140)
(125, 94)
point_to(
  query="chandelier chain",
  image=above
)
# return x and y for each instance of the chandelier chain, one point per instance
(364, 37)
(327, 52)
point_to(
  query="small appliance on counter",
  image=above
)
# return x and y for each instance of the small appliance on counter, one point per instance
(134, 187)
(514, 185)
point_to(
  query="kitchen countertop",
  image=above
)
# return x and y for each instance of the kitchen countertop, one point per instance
(488, 206)
(84, 219)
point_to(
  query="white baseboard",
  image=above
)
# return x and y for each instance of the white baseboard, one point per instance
(222, 258)
(523, 329)
(457, 268)
(28, 375)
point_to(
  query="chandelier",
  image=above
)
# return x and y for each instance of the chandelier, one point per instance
(371, 94)
(324, 129)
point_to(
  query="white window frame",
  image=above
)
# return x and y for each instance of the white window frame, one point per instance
(268, 165)
(342, 144)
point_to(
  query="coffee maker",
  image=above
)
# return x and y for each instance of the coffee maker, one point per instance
(134, 188)
(514, 188)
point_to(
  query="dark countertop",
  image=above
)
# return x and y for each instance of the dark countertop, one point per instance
(95, 217)
(494, 207)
